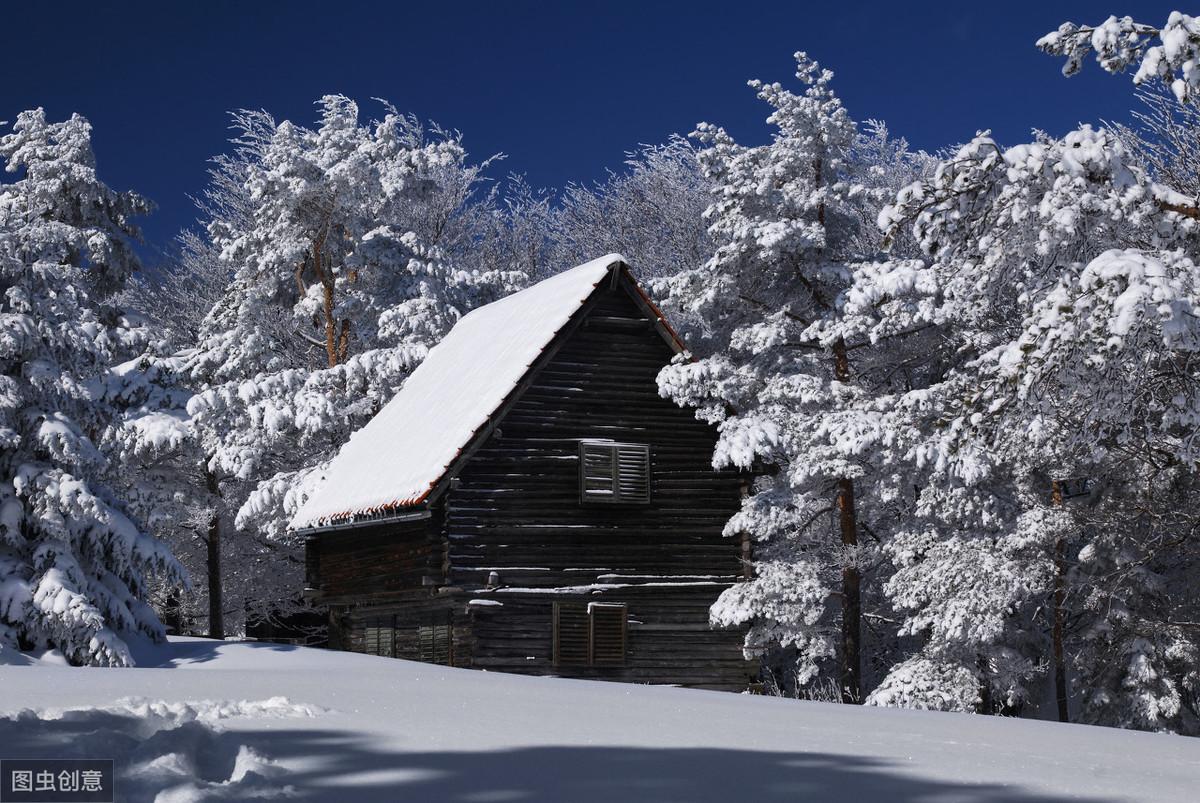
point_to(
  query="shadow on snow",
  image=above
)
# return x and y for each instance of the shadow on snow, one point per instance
(193, 651)
(347, 767)
(336, 766)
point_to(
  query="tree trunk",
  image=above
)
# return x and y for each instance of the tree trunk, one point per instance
(335, 348)
(172, 618)
(848, 524)
(1060, 597)
(327, 286)
(851, 578)
(216, 612)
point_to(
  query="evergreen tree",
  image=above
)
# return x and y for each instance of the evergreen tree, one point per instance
(777, 375)
(347, 248)
(74, 565)
(1063, 282)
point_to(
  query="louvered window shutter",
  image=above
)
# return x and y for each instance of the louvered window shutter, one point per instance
(425, 638)
(589, 634)
(597, 472)
(614, 472)
(571, 634)
(442, 650)
(633, 472)
(607, 623)
(433, 641)
(380, 636)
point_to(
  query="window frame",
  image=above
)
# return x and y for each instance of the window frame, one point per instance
(618, 464)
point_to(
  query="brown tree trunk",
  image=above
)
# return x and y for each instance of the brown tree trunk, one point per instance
(331, 349)
(216, 611)
(335, 346)
(327, 286)
(851, 578)
(848, 524)
(1060, 597)
(343, 349)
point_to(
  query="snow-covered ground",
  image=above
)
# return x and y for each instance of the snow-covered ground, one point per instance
(224, 720)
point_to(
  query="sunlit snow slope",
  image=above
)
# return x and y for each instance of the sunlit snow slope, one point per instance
(355, 727)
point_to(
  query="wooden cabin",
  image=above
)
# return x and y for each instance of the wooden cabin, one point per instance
(529, 503)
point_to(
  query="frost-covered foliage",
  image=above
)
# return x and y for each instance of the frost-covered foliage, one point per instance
(175, 298)
(652, 212)
(1163, 137)
(164, 481)
(922, 683)
(166, 478)
(74, 565)
(1061, 281)
(350, 248)
(787, 221)
(987, 437)
(153, 427)
(1121, 43)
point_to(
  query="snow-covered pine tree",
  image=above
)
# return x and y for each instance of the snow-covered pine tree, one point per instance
(162, 478)
(73, 564)
(167, 474)
(1137, 318)
(1072, 351)
(347, 247)
(776, 374)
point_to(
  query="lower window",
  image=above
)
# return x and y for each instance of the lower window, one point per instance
(380, 636)
(589, 633)
(431, 641)
(435, 641)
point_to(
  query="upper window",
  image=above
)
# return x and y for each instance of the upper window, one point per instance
(614, 472)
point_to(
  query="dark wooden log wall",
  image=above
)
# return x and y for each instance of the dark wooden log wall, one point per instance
(516, 511)
(407, 615)
(393, 570)
(377, 562)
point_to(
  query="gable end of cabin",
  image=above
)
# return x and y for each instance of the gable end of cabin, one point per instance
(580, 534)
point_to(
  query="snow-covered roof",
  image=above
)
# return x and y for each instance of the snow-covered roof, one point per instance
(401, 454)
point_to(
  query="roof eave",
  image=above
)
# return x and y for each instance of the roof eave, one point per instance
(410, 513)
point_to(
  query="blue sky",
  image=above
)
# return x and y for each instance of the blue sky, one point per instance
(562, 89)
